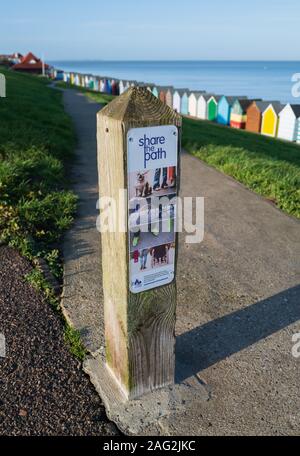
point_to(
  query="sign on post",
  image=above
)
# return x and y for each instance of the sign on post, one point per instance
(152, 158)
(138, 150)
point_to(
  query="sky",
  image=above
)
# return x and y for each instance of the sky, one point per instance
(152, 30)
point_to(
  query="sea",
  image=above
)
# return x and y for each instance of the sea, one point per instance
(268, 80)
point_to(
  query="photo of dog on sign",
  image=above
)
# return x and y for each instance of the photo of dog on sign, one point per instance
(152, 182)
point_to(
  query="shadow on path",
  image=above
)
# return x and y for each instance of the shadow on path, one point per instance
(204, 346)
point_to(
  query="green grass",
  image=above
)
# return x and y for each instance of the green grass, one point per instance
(73, 340)
(267, 166)
(36, 145)
(37, 140)
(100, 98)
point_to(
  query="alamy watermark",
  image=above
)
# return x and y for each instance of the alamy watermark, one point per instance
(2, 346)
(2, 86)
(142, 215)
(296, 86)
(296, 346)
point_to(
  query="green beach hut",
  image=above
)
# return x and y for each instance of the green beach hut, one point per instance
(212, 107)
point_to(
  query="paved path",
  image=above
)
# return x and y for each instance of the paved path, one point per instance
(82, 242)
(238, 297)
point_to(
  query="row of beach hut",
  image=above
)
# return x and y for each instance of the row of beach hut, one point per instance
(270, 118)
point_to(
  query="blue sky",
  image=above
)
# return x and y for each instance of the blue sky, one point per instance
(149, 30)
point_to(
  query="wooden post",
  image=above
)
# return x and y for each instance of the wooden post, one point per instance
(2, 86)
(139, 326)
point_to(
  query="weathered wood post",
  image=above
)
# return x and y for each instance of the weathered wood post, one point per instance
(138, 150)
(2, 86)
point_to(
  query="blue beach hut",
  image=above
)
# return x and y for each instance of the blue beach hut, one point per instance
(185, 103)
(91, 82)
(107, 86)
(177, 99)
(97, 84)
(155, 91)
(224, 109)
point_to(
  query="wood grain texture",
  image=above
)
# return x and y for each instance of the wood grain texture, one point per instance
(139, 328)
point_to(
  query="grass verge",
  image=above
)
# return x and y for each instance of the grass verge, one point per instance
(101, 98)
(37, 140)
(265, 165)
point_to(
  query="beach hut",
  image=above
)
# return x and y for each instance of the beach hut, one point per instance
(169, 97)
(202, 105)
(58, 75)
(107, 86)
(162, 93)
(181, 100)
(67, 77)
(121, 86)
(185, 103)
(270, 119)
(101, 84)
(115, 87)
(91, 82)
(224, 109)
(193, 102)
(298, 131)
(254, 115)
(146, 85)
(177, 100)
(238, 117)
(212, 107)
(289, 119)
(127, 85)
(96, 83)
(155, 91)
(149, 86)
(77, 79)
(82, 80)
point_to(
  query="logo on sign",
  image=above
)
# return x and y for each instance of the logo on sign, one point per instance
(153, 149)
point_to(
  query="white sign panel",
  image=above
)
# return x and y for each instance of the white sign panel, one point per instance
(152, 193)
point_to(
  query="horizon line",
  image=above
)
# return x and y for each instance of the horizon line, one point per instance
(173, 60)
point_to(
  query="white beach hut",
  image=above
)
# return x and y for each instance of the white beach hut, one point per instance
(169, 97)
(177, 98)
(202, 105)
(289, 121)
(122, 86)
(193, 102)
(146, 85)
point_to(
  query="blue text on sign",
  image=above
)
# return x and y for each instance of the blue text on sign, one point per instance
(151, 152)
